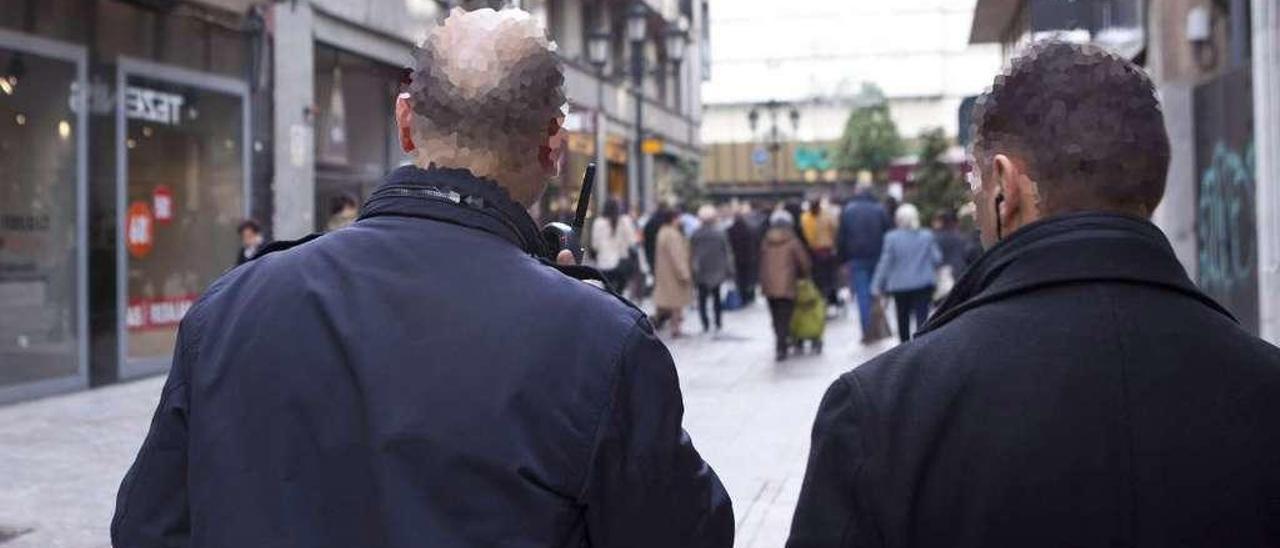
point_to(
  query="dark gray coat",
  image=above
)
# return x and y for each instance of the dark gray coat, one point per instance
(1075, 389)
(713, 262)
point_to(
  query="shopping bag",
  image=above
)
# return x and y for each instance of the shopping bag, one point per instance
(879, 323)
(810, 317)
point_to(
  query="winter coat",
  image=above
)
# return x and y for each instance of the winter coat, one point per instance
(672, 279)
(862, 227)
(744, 238)
(419, 378)
(612, 245)
(712, 256)
(783, 261)
(909, 261)
(1074, 389)
(819, 230)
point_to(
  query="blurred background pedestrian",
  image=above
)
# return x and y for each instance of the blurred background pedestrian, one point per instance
(712, 263)
(343, 210)
(956, 250)
(859, 239)
(744, 237)
(613, 241)
(907, 269)
(819, 226)
(251, 240)
(672, 279)
(783, 261)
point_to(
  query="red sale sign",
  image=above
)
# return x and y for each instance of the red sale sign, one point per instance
(139, 231)
(157, 313)
(162, 203)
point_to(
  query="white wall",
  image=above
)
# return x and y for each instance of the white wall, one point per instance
(825, 121)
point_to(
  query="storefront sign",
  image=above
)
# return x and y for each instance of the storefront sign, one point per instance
(139, 230)
(162, 204)
(652, 145)
(157, 313)
(152, 105)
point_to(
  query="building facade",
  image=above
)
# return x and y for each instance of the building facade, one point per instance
(135, 135)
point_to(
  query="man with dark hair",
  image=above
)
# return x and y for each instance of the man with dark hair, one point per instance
(1075, 388)
(251, 240)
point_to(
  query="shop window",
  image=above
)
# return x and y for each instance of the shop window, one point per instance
(39, 274)
(184, 196)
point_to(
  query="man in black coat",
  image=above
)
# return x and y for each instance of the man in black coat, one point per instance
(863, 224)
(1075, 389)
(424, 377)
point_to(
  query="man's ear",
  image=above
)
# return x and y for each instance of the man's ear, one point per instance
(404, 122)
(1006, 174)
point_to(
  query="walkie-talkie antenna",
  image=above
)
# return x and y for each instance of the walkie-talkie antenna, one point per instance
(584, 197)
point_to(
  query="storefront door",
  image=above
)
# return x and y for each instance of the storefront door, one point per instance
(183, 168)
(42, 217)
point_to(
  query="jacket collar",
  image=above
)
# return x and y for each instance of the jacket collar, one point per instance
(1083, 247)
(455, 196)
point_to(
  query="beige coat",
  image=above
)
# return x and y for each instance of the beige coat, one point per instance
(783, 261)
(672, 277)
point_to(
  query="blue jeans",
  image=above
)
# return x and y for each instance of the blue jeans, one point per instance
(860, 273)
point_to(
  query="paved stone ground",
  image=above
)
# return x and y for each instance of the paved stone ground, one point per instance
(61, 458)
(751, 417)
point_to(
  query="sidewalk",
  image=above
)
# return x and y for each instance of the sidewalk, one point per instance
(63, 457)
(751, 417)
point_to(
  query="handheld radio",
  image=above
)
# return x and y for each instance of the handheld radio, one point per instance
(559, 236)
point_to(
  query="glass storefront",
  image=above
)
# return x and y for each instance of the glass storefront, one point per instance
(41, 189)
(183, 196)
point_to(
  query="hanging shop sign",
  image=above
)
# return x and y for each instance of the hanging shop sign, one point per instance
(139, 230)
(651, 146)
(162, 204)
(153, 106)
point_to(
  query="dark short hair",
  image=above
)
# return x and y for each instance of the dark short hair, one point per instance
(1085, 122)
(249, 224)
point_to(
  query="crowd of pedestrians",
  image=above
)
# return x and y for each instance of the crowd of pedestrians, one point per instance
(720, 257)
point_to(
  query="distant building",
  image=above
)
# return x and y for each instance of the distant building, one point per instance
(813, 57)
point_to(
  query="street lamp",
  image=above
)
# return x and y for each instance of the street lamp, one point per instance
(637, 29)
(677, 37)
(774, 138)
(598, 56)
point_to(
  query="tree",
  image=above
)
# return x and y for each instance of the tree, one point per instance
(686, 186)
(870, 140)
(938, 186)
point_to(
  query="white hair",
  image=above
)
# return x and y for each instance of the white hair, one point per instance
(907, 216)
(707, 213)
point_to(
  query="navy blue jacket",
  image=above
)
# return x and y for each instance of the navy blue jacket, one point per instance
(419, 379)
(1074, 389)
(863, 224)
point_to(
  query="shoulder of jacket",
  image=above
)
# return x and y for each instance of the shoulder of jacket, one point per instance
(282, 245)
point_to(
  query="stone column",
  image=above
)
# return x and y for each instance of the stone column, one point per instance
(294, 183)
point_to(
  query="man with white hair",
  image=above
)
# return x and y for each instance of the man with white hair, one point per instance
(427, 376)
